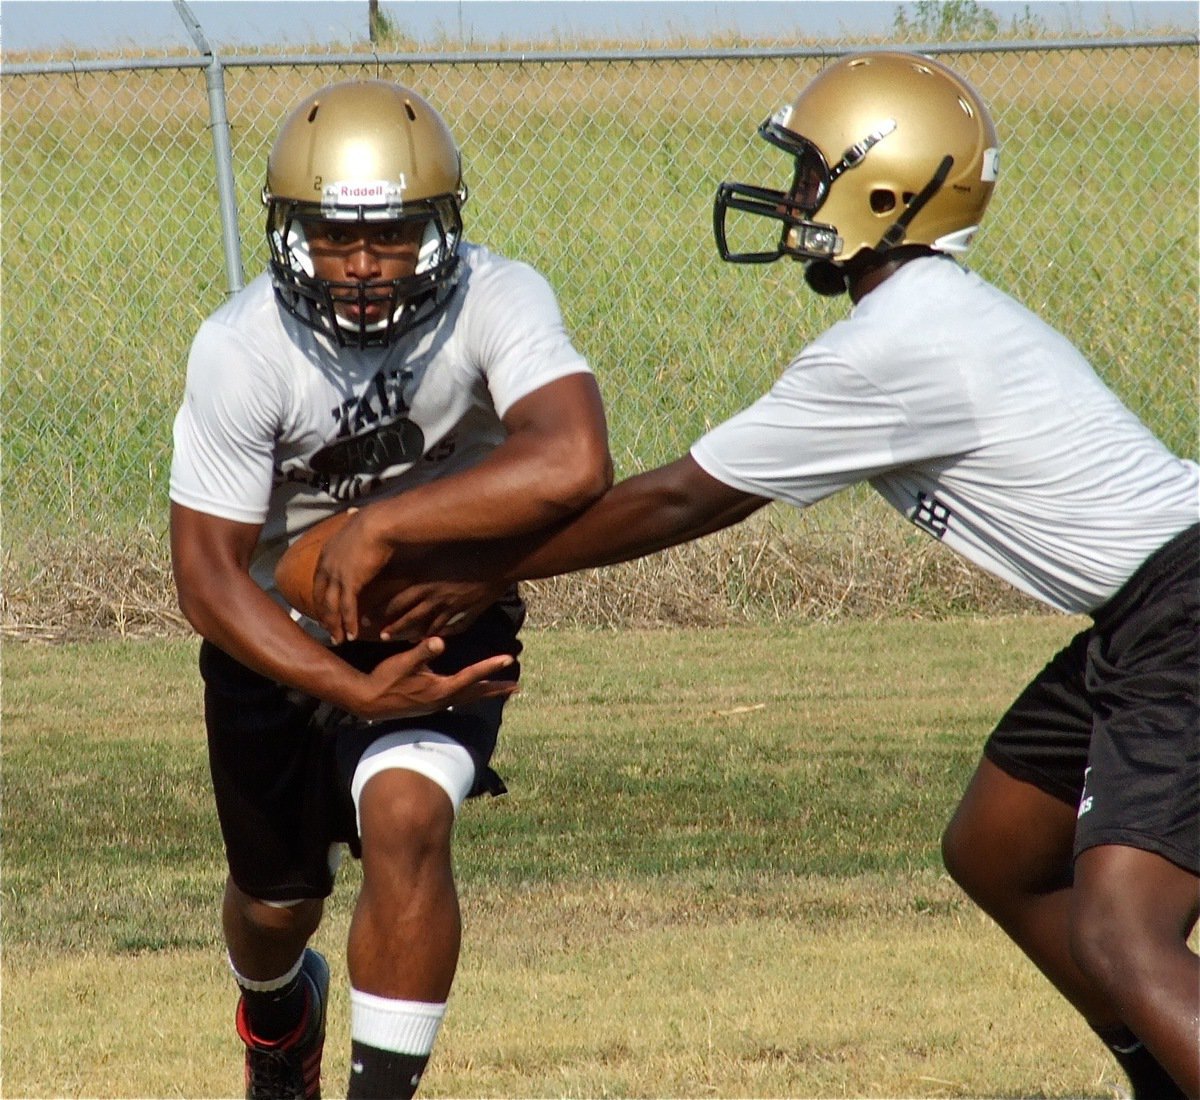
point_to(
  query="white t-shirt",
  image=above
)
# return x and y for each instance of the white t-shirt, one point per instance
(281, 428)
(979, 423)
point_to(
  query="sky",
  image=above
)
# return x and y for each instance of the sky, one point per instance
(149, 25)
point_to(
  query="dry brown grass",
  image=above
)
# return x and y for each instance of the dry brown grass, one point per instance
(1094, 78)
(103, 586)
(679, 898)
(856, 987)
(770, 569)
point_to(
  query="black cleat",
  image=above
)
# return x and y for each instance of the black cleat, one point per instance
(290, 1068)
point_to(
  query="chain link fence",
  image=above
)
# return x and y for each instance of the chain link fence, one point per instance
(599, 169)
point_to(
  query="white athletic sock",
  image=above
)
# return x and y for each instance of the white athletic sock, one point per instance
(391, 1042)
(267, 986)
(403, 1027)
(275, 1007)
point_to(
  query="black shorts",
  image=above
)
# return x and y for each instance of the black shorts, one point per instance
(1111, 725)
(282, 761)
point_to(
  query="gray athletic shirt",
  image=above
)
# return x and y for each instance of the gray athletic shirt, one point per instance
(980, 424)
(279, 429)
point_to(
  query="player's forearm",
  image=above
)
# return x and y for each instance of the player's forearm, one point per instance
(624, 524)
(237, 616)
(519, 488)
(641, 515)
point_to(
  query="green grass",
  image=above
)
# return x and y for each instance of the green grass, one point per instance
(603, 177)
(716, 874)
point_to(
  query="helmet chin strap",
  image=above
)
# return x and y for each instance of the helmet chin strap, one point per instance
(830, 279)
(899, 227)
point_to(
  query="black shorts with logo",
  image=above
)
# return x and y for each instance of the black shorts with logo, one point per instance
(1111, 725)
(282, 761)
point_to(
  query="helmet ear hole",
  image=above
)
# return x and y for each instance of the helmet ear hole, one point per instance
(882, 201)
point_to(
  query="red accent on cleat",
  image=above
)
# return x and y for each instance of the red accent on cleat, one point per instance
(290, 1068)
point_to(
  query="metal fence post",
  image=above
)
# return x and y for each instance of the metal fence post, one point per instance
(214, 78)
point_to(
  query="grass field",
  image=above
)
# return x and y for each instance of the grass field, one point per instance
(716, 874)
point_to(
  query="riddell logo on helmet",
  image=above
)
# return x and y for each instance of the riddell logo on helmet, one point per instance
(360, 192)
(372, 193)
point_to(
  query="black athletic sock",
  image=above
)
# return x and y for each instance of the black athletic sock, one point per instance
(1149, 1080)
(383, 1074)
(272, 1014)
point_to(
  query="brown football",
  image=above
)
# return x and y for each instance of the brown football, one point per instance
(294, 572)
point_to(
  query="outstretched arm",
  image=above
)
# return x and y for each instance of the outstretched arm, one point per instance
(663, 507)
(651, 511)
(211, 556)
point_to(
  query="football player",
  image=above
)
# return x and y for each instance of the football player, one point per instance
(381, 356)
(1080, 830)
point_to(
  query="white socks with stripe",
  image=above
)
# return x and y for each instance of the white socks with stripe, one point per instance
(390, 1045)
(273, 1008)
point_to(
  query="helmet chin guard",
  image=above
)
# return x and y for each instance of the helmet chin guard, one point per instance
(825, 278)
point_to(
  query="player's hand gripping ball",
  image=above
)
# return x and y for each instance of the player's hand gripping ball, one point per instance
(296, 571)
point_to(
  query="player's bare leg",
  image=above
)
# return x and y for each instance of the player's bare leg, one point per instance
(265, 940)
(405, 934)
(1132, 913)
(1009, 846)
(281, 1012)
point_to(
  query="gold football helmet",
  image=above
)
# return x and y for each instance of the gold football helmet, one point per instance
(364, 151)
(889, 149)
